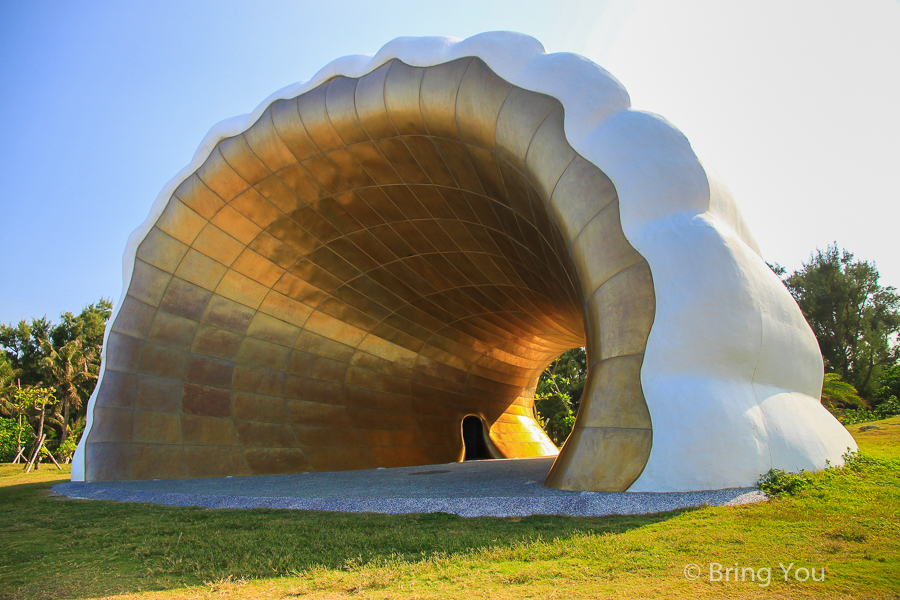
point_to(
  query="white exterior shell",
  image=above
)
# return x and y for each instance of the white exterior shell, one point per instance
(732, 374)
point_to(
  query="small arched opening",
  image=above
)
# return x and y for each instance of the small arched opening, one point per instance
(474, 439)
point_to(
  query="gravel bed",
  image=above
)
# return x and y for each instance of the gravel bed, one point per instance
(498, 488)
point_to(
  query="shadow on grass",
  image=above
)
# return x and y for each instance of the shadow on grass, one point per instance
(56, 547)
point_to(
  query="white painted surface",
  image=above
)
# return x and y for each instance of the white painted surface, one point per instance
(732, 373)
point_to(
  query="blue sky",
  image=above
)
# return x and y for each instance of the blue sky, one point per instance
(101, 103)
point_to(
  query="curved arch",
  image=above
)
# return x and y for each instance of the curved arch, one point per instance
(409, 238)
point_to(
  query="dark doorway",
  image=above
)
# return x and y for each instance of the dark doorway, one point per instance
(473, 439)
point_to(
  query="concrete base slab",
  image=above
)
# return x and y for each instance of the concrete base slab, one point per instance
(499, 488)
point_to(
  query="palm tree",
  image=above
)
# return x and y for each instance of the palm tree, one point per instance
(72, 369)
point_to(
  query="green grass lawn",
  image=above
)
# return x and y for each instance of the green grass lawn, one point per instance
(846, 522)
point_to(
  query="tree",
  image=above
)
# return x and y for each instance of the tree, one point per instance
(72, 369)
(12, 406)
(888, 384)
(853, 317)
(38, 398)
(22, 346)
(67, 447)
(88, 326)
(64, 356)
(558, 394)
(11, 430)
(7, 383)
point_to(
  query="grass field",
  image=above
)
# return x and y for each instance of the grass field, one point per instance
(846, 522)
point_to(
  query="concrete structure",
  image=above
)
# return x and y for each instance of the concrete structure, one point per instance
(340, 278)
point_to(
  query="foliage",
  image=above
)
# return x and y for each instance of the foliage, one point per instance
(7, 374)
(10, 434)
(860, 461)
(837, 394)
(36, 397)
(73, 369)
(777, 269)
(558, 394)
(884, 410)
(67, 447)
(65, 357)
(779, 483)
(39, 399)
(24, 343)
(7, 388)
(22, 346)
(888, 384)
(853, 317)
(87, 326)
(13, 404)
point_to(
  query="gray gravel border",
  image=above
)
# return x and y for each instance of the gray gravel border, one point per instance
(497, 488)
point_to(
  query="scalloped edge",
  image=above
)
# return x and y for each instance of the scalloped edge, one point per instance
(719, 423)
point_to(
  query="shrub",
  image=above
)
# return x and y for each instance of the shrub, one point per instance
(781, 483)
(888, 384)
(67, 448)
(888, 408)
(9, 429)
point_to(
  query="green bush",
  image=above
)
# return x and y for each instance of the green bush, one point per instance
(9, 429)
(778, 483)
(888, 384)
(781, 483)
(888, 408)
(67, 448)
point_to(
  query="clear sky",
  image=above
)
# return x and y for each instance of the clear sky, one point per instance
(794, 102)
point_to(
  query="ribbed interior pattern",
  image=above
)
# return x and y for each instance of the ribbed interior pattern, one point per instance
(342, 284)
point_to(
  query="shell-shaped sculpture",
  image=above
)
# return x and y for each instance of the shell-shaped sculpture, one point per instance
(342, 277)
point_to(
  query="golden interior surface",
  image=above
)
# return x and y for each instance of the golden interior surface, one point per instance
(342, 284)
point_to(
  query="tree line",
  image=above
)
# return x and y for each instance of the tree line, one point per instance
(47, 373)
(855, 319)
